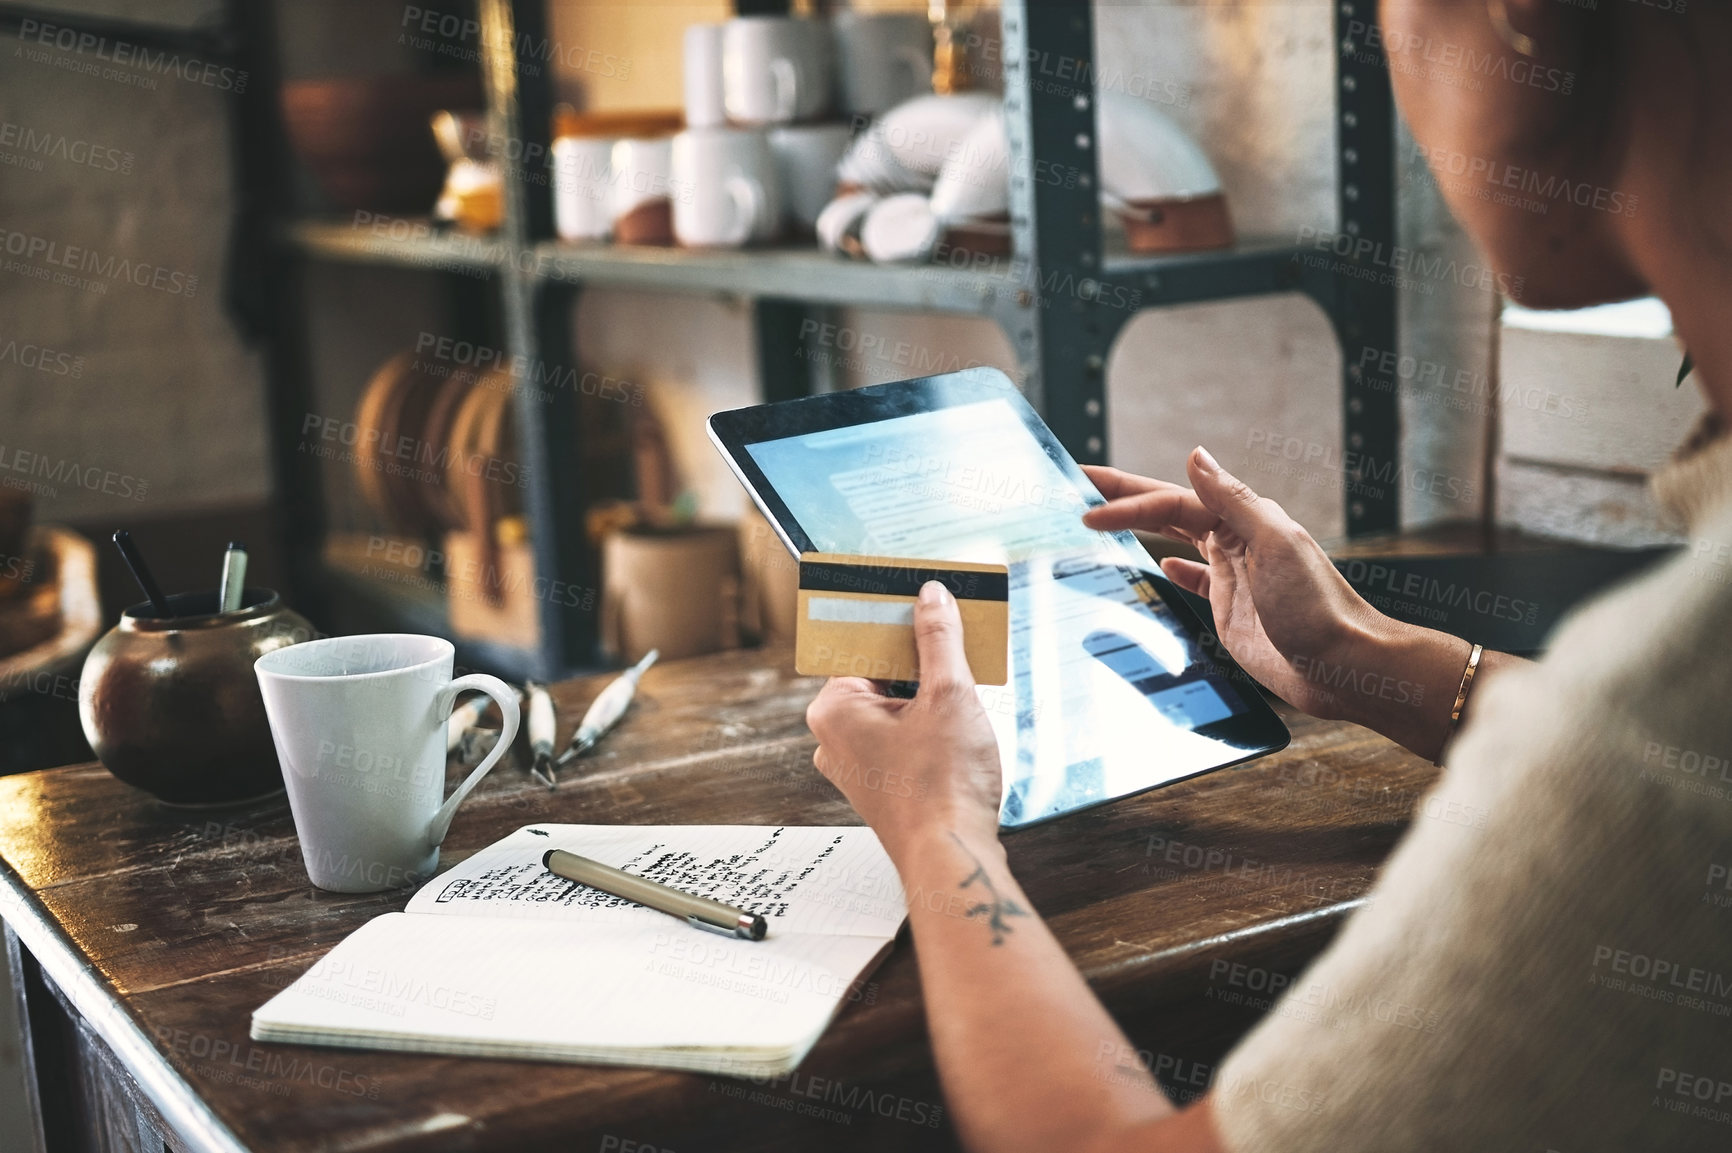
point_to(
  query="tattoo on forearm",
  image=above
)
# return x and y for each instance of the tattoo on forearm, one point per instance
(995, 910)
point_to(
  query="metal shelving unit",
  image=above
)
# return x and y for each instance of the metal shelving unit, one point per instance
(1061, 299)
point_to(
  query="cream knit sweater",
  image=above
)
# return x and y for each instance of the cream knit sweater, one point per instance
(1546, 961)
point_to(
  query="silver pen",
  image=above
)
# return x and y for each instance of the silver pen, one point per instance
(234, 577)
(701, 912)
(608, 708)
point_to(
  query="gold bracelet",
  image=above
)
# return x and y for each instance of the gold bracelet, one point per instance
(1461, 696)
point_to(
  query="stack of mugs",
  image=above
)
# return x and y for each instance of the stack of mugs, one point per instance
(769, 105)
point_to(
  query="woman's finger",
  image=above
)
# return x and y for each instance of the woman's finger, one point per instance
(1189, 575)
(1169, 510)
(1114, 483)
(840, 697)
(843, 687)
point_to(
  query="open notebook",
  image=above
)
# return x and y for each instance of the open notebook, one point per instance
(500, 958)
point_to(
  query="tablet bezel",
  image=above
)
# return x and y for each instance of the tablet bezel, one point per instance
(1252, 733)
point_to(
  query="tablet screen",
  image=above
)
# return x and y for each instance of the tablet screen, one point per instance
(1108, 694)
(967, 483)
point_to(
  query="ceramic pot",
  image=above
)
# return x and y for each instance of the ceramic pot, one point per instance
(366, 140)
(172, 707)
(650, 599)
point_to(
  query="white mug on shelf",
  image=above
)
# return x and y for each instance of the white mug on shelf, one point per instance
(806, 158)
(705, 107)
(775, 69)
(642, 189)
(582, 193)
(727, 188)
(359, 726)
(882, 59)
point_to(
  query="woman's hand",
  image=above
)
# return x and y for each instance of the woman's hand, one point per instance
(1279, 603)
(1018, 1035)
(914, 769)
(1281, 608)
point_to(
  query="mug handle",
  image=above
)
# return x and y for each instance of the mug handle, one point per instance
(786, 78)
(748, 206)
(506, 699)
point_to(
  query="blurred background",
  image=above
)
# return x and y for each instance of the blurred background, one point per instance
(421, 301)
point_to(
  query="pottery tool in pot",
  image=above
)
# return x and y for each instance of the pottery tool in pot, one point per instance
(141, 573)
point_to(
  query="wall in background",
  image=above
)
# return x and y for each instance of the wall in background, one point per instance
(1590, 408)
(161, 407)
(619, 56)
(167, 13)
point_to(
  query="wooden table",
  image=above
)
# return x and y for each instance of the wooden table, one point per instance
(141, 938)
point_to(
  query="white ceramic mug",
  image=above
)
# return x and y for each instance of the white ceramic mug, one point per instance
(642, 187)
(582, 187)
(705, 107)
(806, 158)
(882, 59)
(359, 725)
(726, 183)
(775, 69)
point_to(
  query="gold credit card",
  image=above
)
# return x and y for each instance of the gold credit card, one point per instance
(856, 616)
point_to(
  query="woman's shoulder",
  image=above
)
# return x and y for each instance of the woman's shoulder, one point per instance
(1636, 683)
(1673, 621)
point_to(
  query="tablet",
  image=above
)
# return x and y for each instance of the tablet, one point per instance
(1116, 686)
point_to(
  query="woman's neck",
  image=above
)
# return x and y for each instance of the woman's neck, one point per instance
(1698, 291)
(1680, 239)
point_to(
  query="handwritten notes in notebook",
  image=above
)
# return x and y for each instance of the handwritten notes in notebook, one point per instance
(820, 880)
(497, 957)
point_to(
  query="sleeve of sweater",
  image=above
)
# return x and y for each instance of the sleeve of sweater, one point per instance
(1546, 960)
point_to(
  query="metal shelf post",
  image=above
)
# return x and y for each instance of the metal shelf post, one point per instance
(1060, 332)
(1366, 307)
(537, 333)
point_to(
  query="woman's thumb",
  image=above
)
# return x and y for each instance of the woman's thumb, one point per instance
(938, 637)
